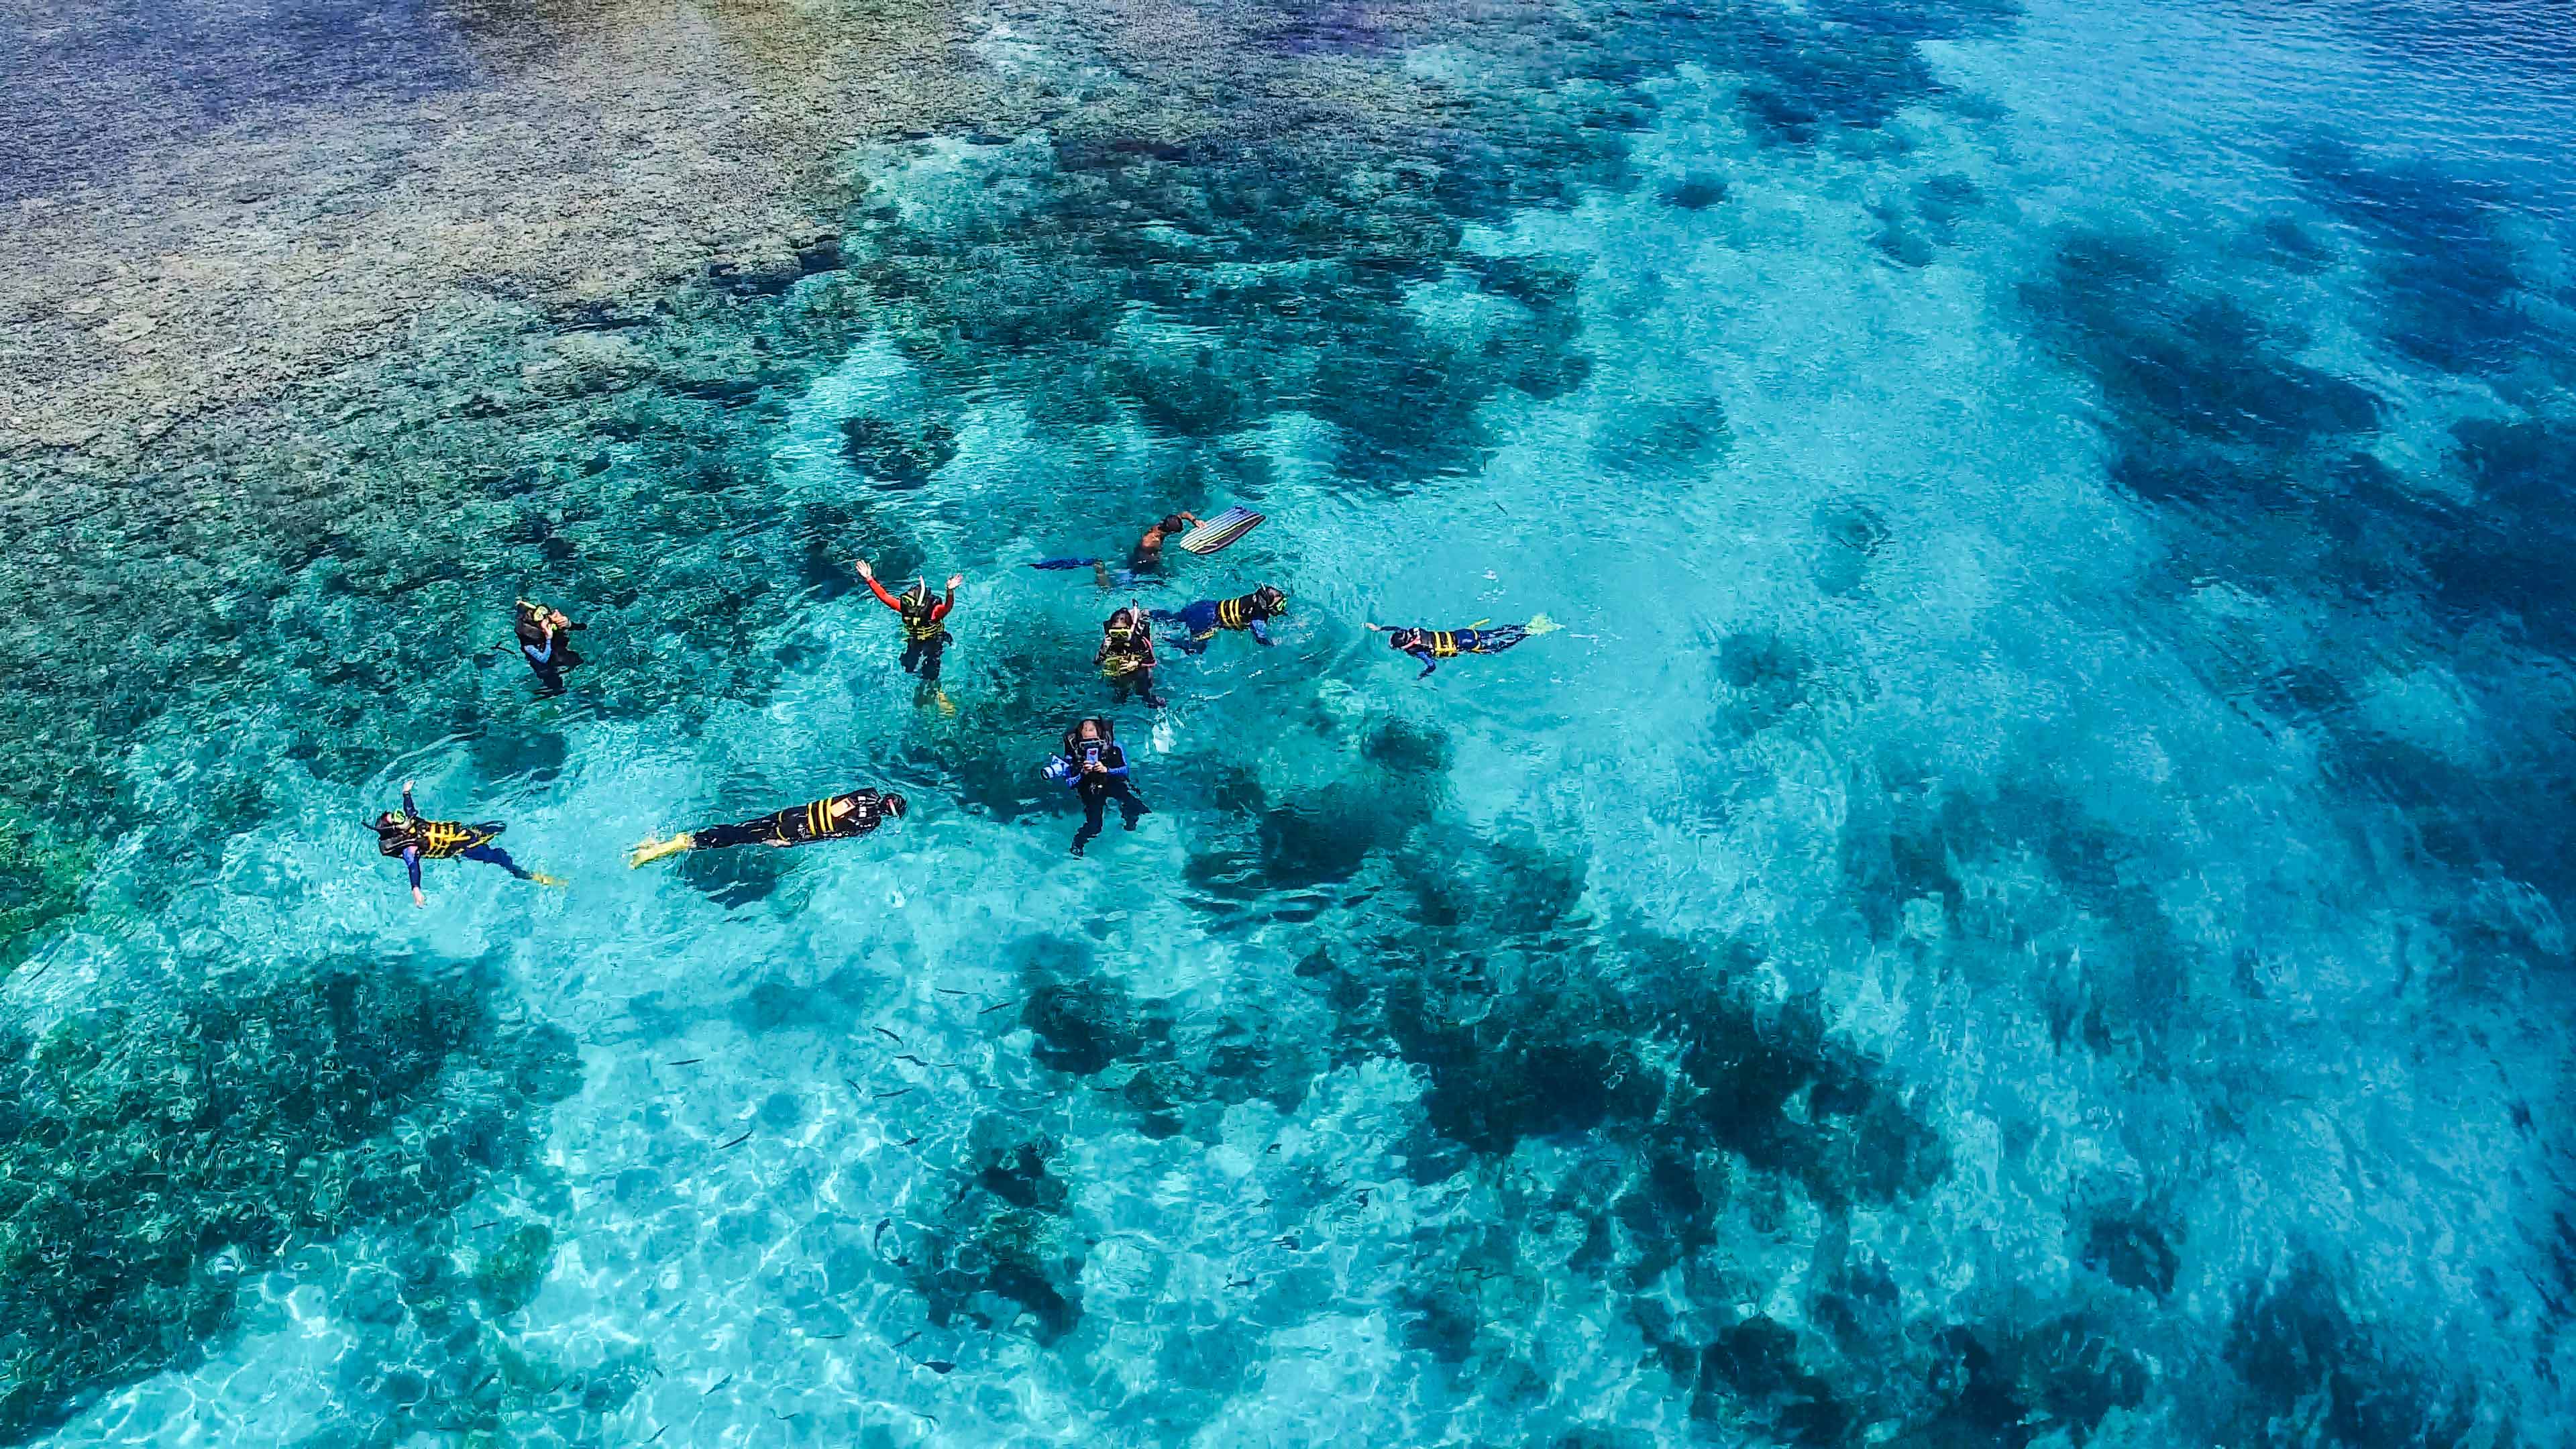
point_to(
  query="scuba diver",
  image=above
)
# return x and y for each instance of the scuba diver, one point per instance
(1094, 768)
(1126, 657)
(925, 634)
(835, 817)
(1143, 561)
(542, 643)
(1433, 645)
(1204, 618)
(416, 840)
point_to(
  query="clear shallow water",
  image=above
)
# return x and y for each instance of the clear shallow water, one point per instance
(2024, 906)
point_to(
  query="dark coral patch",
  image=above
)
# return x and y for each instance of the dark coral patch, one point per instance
(150, 1161)
(999, 1252)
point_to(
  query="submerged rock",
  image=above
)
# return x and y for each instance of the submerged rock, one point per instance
(895, 455)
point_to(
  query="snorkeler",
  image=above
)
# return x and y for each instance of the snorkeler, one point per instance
(835, 817)
(1126, 657)
(1094, 768)
(1147, 556)
(542, 643)
(925, 634)
(1251, 612)
(1145, 560)
(416, 840)
(1433, 645)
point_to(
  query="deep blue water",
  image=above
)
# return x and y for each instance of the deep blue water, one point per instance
(2024, 905)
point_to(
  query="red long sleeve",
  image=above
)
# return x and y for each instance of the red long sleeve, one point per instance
(938, 611)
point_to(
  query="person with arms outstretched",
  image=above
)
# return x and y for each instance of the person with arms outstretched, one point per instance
(415, 839)
(925, 629)
(1433, 645)
(834, 817)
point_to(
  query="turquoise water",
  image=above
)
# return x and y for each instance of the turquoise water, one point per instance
(2023, 906)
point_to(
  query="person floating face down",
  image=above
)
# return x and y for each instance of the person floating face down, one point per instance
(1251, 613)
(1094, 768)
(834, 817)
(1433, 645)
(543, 642)
(925, 630)
(415, 839)
(1127, 658)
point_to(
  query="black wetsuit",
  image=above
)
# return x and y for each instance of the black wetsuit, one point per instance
(547, 657)
(921, 654)
(1126, 660)
(798, 824)
(925, 632)
(415, 840)
(1096, 790)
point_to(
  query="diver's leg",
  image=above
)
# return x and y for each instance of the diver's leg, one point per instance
(1093, 798)
(491, 854)
(930, 652)
(1129, 807)
(911, 655)
(749, 832)
(1200, 620)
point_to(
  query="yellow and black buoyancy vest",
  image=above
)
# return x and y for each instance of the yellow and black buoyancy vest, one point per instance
(434, 839)
(818, 817)
(1443, 642)
(1239, 613)
(926, 624)
(1121, 653)
(814, 820)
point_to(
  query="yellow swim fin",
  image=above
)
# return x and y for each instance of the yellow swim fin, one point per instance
(543, 879)
(1542, 624)
(653, 850)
